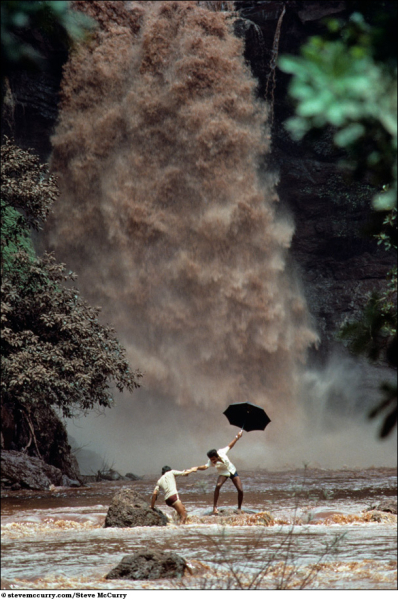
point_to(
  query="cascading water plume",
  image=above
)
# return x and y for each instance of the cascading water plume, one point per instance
(162, 213)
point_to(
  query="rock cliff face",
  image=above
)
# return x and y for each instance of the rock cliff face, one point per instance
(35, 450)
(337, 260)
(21, 471)
(30, 103)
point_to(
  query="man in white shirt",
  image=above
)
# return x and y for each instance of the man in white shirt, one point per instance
(226, 470)
(168, 484)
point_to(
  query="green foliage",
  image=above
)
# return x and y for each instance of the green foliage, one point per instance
(347, 80)
(373, 334)
(27, 193)
(54, 350)
(26, 185)
(339, 82)
(53, 19)
(389, 403)
(388, 238)
(13, 236)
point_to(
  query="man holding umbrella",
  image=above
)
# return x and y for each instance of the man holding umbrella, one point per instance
(226, 470)
(249, 417)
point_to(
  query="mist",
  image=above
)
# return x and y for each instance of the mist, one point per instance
(331, 430)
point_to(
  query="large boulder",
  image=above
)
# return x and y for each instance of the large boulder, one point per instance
(389, 506)
(50, 442)
(149, 564)
(129, 509)
(133, 477)
(109, 475)
(21, 471)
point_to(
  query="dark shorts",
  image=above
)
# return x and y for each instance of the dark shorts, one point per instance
(234, 475)
(172, 500)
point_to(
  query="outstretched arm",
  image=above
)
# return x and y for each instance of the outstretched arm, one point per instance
(154, 496)
(194, 469)
(236, 438)
(189, 471)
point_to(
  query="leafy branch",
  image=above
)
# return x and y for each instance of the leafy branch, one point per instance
(54, 349)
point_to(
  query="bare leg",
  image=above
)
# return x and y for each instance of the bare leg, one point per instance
(220, 481)
(238, 484)
(180, 508)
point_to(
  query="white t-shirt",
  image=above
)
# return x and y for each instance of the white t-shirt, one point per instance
(225, 467)
(168, 483)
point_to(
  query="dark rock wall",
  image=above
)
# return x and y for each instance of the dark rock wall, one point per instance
(338, 261)
(30, 110)
(50, 441)
(30, 97)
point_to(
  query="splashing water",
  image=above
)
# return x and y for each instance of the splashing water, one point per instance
(163, 214)
(56, 539)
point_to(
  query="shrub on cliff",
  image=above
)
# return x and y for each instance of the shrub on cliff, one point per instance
(54, 350)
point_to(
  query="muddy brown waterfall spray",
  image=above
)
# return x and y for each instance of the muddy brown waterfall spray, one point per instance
(162, 213)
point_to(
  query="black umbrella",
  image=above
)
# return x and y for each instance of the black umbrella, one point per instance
(247, 416)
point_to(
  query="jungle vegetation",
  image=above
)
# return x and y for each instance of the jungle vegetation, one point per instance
(347, 81)
(26, 26)
(54, 349)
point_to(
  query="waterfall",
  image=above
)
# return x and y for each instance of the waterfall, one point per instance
(168, 221)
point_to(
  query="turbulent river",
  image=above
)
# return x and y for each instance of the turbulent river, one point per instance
(321, 535)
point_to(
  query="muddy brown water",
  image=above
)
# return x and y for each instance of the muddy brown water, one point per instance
(56, 540)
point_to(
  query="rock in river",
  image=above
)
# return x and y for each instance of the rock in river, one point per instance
(149, 564)
(129, 509)
(389, 505)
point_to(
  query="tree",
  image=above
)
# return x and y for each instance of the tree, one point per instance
(54, 350)
(24, 23)
(342, 82)
(347, 80)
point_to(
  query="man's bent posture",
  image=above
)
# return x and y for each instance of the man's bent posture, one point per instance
(168, 484)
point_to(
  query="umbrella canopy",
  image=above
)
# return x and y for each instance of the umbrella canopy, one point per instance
(247, 416)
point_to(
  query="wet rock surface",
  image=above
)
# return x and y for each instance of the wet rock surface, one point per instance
(129, 509)
(389, 506)
(150, 564)
(110, 475)
(21, 471)
(132, 477)
(232, 516)
(228, 512)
